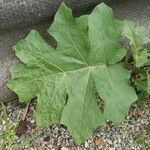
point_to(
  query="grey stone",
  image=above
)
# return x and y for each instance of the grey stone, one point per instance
(7, 58)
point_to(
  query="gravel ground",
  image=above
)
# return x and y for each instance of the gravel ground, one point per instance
(132, 134)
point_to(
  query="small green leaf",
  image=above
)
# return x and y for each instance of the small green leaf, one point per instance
(142, 59)
(65, 79)
(137, 39)
(143, 86)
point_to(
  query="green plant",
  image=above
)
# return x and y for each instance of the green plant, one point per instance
(65, 80)
(7, 133)
(140, 139)
(141, 58)
(8, 130)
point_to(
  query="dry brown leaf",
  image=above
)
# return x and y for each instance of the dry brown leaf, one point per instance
(98, 141)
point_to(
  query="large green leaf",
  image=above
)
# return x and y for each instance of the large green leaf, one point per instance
(65, 79)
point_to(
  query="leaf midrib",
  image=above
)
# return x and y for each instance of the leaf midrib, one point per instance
(74, 45)
(68, 72)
